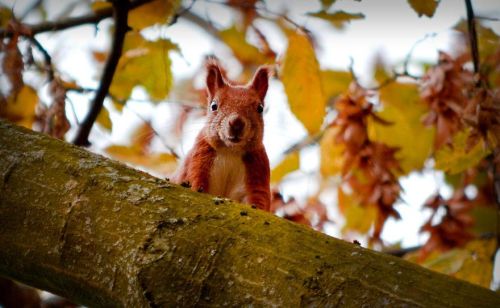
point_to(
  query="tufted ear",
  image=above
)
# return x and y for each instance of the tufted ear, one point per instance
(215, 80)
(260, 81)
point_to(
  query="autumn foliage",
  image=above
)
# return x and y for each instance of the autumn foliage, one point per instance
(369, 138)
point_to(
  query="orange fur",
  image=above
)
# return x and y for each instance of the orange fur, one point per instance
(229, 156)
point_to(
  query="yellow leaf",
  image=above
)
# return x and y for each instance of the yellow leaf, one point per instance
(143, 63)
(242, 50)
(487, 39)
(424, 7)
(337, 19)
(163, 163)
(455, 158)
(155, 12)
(20, 109)
(478, 268)
(357, 218)
(471, 263)
(5, 16)
(100, 5)
(301, 79)
(326, 4)
(290, 163)
(334, 82)
(331, 154)
(104, 120)
(403, 108)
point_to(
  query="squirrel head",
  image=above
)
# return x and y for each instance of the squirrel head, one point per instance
(235, 112)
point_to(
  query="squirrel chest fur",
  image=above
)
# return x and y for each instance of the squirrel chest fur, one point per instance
(229, 158)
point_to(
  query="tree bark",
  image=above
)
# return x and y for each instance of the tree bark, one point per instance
(102, 234)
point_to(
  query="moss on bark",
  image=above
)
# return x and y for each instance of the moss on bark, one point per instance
(102, 234)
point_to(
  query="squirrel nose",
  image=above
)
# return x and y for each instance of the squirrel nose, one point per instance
(236, 126)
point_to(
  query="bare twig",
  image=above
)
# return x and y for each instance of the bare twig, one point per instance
(46, 56)
(202, 23)
(121, 28)
(264, 9)
(471, 24)
(93, 18)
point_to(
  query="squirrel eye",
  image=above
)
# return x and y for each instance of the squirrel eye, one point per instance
(260, 108)
(213, 105)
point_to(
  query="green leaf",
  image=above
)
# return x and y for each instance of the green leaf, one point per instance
(290, 163)
(155, 12)
(301, 78)
(402, 107)
(104, 120)
(143, 63)
(455, 158)
(424, 7)
(337, 19)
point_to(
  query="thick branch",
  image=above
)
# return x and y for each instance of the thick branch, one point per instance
(121, 28)
(102, 234)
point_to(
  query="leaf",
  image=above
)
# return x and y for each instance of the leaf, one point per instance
(477, 267)
(332, 158)
(471, 263)
(100, 5)
(487, 39)
(301, 79)
(357, 217)
(402, 107)
(455, 158)
(290, 163)
(104, 120)
(334, 82)
(142, 137)
(143, 63)
(326, 4)
(485, 219)
(5, 16)
(20, 108)
(155, 12)
(424, 7)
(242, 50)
(337, 19)
(163, 163)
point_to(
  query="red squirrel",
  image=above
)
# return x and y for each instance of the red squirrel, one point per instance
(228, 158)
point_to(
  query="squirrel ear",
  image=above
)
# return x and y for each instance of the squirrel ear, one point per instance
(215, 80)
(260, 81)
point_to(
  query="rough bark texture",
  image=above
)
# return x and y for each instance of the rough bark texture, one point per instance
(102, 234)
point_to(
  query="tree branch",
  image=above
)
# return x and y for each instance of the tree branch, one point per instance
(93, 18)
(103, 234)
(121, 28)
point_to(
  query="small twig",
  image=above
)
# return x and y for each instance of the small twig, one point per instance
(46, 56)
(32, 7)
(121, 28)
(305, 142)
(245, 5)
(202, 23)
(471, 24)
(169, 148)
(182, 12)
